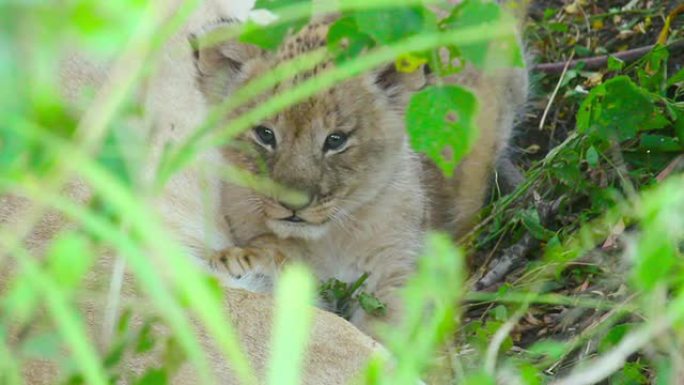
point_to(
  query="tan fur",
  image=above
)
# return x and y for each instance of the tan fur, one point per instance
(337, 350)
(369, 204)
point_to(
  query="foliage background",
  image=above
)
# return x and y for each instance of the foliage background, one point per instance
(596, 294)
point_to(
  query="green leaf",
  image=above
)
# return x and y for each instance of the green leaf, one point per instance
(630, 374)
(548, 348)
(652, 73)
(484, 334)
(582, 51)
(679, 124)
(393, 24)
(115, 353)
(271, 36)
(479, 379)
(153, 377)
(174, 355)
(124, 322)
(558, 27)
(613, 337)
(549, 13)
(112, 155)
(339, 296)
(500, 313)
(371, 305)
(592, 157)
(345, 41)
(530, 219)
(530, 374)
(441, 123)
(676, 78)
(454, 65)
(502, 52)
(660, 143)
(146, 339)
(616, 109)
(615, 64)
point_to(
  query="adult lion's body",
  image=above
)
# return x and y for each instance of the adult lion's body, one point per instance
(173, 108)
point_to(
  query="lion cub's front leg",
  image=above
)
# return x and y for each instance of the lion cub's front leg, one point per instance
(254, 267)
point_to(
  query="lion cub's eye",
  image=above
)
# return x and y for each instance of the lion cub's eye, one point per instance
(265, 136)
(335, 141)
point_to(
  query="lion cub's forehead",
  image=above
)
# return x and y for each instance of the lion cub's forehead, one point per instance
(321, 112)
(310, 38)
(328, 109)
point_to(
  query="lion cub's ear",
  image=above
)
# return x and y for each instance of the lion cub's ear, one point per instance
(399, 85)
(220, 62)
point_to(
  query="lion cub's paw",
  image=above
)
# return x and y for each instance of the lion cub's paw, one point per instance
(253, 269)
(238, 262)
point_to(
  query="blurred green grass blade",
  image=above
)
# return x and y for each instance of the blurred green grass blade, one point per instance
(127, 71)
(184, 273)
(70, 257)
(293, 312)
(9, 367)
(69, 324)
(146, 224)
(430, 301)
(141, 266)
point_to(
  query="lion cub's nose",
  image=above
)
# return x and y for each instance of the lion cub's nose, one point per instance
(294, 207)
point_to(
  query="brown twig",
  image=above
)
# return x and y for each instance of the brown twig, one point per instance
(555, 92)
(597, 62)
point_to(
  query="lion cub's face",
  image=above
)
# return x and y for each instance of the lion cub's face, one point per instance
(339, 149)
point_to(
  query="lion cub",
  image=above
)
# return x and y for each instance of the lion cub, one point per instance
(368, 198)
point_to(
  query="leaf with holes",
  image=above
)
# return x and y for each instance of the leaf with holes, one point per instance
(616, 109)
(441, 124)
(346, 41)
(486, 53)
(390, 25)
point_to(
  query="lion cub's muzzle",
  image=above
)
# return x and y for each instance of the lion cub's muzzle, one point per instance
(307, 220)
(311, 211)
(296, 209)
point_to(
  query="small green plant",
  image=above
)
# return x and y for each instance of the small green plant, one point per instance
(341, 297)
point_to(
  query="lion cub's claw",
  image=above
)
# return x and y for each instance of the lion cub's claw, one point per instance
(237, 262)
